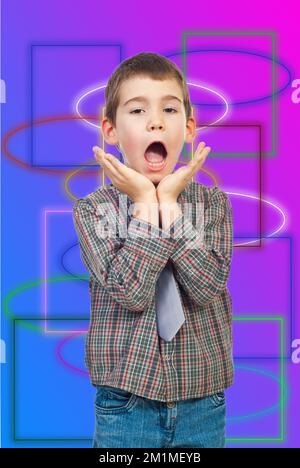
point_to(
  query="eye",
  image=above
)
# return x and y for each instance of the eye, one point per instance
(135, 111)
(171, 108)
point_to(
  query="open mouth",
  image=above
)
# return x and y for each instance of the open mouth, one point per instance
(156, 155)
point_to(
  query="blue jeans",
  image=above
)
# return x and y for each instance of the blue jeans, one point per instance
(124, 419)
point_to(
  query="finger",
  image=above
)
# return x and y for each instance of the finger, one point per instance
(198, 154)
(116, 167)
(108, 157)
(98, 154)
(200, 147)
(196, 163)
(110, 170)
(97, 150)
(115, 162)
(101, 153)
(201, 159)
(105, 160)
(201, 151)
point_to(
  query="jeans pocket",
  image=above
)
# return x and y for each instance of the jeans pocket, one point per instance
(218, 399)
(111, 399)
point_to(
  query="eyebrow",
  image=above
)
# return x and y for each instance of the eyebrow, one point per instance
(144, 98)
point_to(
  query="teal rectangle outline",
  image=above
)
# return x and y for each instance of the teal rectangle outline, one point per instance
(229, 439)
(274, 150)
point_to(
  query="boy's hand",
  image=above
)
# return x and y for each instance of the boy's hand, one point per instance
(127, 180)
(172, 185)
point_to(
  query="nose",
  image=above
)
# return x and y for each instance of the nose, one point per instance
(155, 123)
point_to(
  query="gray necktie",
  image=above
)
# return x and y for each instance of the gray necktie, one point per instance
(169, 311)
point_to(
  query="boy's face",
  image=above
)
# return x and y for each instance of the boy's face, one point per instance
(146, 113)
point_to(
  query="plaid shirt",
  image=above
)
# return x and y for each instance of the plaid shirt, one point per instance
(122, 347)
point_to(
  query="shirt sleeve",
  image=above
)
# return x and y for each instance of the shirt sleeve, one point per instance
(128, 272)
(202, 257)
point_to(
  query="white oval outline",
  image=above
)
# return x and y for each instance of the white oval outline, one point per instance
(264, 200)
(83, 96)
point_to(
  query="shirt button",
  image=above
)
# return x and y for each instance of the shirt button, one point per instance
(170, 404)
(167, 357)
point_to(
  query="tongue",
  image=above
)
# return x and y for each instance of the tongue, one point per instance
(151, 156)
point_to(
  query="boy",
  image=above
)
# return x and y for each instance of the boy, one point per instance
(151, 392)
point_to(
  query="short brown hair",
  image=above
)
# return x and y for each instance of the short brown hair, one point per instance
(147, 64)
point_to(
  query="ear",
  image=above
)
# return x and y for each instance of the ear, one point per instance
(108, 130)
(190, 128)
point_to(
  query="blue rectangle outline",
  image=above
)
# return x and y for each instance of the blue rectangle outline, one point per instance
(31, 86)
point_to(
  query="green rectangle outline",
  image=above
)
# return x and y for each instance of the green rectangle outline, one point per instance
(281, 438)
(273, 152)
(229, 439)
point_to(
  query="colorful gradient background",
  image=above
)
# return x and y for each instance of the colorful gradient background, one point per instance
(52, 54)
